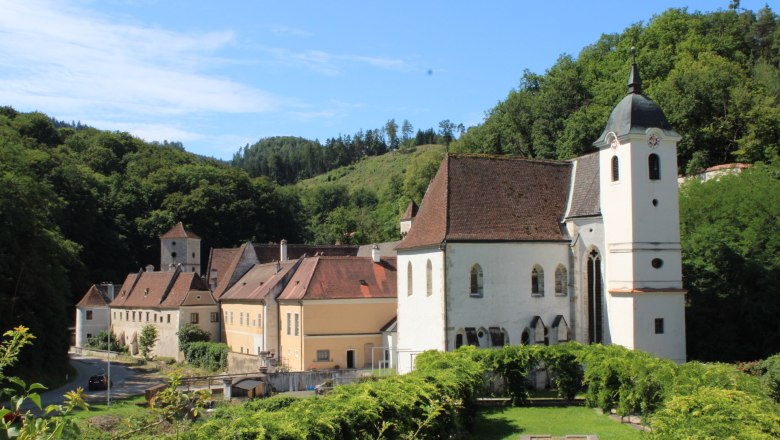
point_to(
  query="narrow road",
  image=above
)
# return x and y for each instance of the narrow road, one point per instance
(126, 382)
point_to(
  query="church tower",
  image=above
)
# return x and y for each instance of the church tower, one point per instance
(644, 301)
(180, 247)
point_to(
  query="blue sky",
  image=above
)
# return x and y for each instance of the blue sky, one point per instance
(216, 75)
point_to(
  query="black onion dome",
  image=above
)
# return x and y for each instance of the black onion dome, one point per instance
(636, 113)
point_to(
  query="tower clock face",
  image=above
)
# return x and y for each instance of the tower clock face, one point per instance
(652, 140)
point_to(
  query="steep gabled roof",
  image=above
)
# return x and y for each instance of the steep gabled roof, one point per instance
(93, 298)
(243, 260)
(149, 290)
(585, 192)
(178, 231)
(411, 211)
(342, 278)
(487, 198)
(260, 281)
(219, 260)
(184, 284)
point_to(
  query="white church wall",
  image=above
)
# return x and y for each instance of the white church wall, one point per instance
(670, 307)
(420, 316)
(507, 301)
(620, 311)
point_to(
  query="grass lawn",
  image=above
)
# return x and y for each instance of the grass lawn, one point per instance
(510, 423)
(121, 408)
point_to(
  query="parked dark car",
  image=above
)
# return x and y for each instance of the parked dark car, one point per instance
(98, 382)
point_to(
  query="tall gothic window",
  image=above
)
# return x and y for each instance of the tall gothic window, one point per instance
(561, 280)
(476, 280)
(429, 278)
(409, 279)
(537, 280)
(654, 167)
(615, 169)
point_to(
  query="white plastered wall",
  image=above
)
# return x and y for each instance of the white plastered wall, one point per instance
(84, 327)
(507, 301)
(420, 316)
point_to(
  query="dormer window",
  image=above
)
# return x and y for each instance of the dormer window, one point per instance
(654, 167)
(615, 169)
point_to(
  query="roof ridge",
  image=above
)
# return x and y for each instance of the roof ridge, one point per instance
(504, 157)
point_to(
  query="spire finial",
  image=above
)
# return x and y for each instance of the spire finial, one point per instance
(634, 81)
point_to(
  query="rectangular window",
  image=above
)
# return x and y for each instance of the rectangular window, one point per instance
(89, 315)
(226, 317)
(259, 320)
(169, 318)
(288, 323)
(214, 316)
(155, 317)
(133, 315)
(296, 324)
(659, 326)
(323, 355)
(194, 318)
(147, 316)
(231, 317)
(127, 315)
(241, 318)
(89, 335)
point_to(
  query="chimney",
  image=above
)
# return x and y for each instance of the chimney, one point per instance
(110, 291)
(375, 253)
(283, 250)
(213, 279)
(278, 266)
(150, 268)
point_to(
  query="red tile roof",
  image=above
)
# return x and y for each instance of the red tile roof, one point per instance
(243, 260)
(342, 278)
(177, 231)
(158, 289)
(486, 198)
(219, 260)
(261, 280)
(411, 211)
(93, 298)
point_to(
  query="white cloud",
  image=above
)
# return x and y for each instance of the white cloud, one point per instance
(331, 64)
(60, 58)
(287, 30)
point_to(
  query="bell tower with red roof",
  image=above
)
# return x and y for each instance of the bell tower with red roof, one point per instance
(180, 247)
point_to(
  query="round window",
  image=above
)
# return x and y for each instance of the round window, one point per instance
(173, 254)
(657, 262)
(655, 202)
(480, 334)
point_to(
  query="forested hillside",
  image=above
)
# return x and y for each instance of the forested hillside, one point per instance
(715, 75)
(85, 206)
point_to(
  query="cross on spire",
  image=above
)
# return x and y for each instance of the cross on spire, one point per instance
(634, 81)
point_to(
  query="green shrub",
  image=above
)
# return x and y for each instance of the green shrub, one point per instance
(771, 379)
(565, 369)
(435, 401)
(101, 341)
(211, 355)
(714, 413)
(692, 376)
(513, 363)
(189, 333)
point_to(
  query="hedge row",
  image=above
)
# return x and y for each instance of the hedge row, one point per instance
(211, 355)
(435, 401)
(693, 400)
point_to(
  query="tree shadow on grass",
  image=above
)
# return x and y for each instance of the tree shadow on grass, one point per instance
(490, 424)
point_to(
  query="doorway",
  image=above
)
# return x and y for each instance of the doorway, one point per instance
(350, 358)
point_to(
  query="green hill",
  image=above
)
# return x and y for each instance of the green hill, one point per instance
(362, 202)
(376, 173)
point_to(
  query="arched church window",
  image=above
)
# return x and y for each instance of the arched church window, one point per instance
(476, 281)
(429, 278)
(409, 279)
(537, 281)
(561, 280)
(615, 169)
(654, 167)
